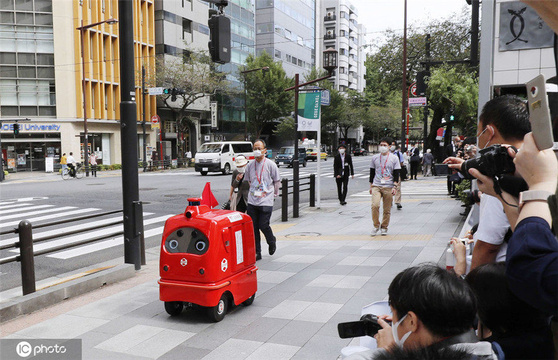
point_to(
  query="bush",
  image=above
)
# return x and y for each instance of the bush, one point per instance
(461, 187)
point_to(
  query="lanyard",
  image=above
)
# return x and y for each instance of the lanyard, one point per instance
(385, 163)
(261, 172)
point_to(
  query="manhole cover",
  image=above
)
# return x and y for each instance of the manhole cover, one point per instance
(146, 189)
(304, 234)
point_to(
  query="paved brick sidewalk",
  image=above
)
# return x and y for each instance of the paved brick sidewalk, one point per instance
(327, 267)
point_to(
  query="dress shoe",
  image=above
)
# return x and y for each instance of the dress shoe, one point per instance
(344, 203)
(272, 248)
(258, 256)
(399, 206)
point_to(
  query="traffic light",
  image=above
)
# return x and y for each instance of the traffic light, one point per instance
(220, 39)
(16, 129)
(452, 117)
(421, 84)
(167, 91)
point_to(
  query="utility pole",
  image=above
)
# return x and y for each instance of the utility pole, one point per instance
(143, 118)
(404, 78)
(427, 72)
(474, 33)
(296, 178)
(128, 135)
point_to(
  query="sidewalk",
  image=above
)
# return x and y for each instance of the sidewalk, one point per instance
(326, 268)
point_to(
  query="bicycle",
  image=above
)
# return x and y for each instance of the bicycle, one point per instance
(79, 172)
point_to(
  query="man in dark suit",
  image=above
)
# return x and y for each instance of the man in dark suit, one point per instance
(342, 166)
(451, 149)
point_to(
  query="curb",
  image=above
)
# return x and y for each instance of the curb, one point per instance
(43, 298)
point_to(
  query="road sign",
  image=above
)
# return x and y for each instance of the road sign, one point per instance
(417, 101)
(214, 114)
(155, 119)
(155, 91)
(414, 89)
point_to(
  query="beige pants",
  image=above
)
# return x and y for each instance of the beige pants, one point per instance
(381, 194)
(397, 196)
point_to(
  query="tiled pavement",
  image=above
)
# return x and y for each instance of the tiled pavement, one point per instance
(327, 267)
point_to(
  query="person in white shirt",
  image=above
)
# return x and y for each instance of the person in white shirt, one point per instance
(71, 164)
(93, 162)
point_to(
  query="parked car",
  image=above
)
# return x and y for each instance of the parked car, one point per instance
(312, 154)
(360, 151)
(285, 156)
(219, 156)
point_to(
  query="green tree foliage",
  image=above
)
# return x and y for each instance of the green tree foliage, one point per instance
(354, 113)
(266, 98)
(285, 128)
(195, 75)
(450, 40)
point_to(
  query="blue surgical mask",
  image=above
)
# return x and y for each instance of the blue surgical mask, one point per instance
(394, 327)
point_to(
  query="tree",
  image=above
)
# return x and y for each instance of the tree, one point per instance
(285, 128)
(267, 100)
(195, 77)
(353, 114)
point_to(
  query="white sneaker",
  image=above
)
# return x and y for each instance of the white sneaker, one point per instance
(374, 231)
(384, 232)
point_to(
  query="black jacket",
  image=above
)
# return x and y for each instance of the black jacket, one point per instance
(338, 170)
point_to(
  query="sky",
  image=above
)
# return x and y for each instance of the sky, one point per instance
(380, 15)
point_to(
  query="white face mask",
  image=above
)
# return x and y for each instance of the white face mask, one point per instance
(258, 153)
(478, 137)
(392, 148)
(341, 151)
(383, 149)
(241, 170)
(394, 327)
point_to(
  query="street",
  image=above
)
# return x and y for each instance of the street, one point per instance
(48, 198)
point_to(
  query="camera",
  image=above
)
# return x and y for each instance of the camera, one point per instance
(368, 325)
(493, 160)
(471, 197)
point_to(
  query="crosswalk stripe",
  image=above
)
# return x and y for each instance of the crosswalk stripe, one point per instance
(78, 237)
(3, 207)
(24, 215)
(62, 230)
(87, 249)
(12, 201)
(51, 216)
(29, 207)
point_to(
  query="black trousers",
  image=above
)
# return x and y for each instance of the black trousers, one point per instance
(414, 169)
(260, 218)
(72, 170)
(94, 170)
(342, 184)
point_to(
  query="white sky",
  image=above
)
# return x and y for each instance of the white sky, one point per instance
(380, 15)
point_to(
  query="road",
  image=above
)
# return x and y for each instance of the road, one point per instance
(48, 199)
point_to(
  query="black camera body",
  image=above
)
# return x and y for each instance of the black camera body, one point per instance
(493, 161)
(368, 325)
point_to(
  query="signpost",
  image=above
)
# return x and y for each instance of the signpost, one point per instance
(414, 89)
(155, 91)
(417, 101)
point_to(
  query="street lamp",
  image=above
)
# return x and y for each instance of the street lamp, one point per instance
(82, 29)
(264, 69)
(330, 64)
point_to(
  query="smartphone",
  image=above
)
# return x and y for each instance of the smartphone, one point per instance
(539, 113)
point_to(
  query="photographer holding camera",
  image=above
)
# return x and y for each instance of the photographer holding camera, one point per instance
(503, 120)
(433, 312)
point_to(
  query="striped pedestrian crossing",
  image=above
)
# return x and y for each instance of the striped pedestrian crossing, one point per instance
(38, 211)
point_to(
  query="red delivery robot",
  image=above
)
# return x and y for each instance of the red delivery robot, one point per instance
(208, 258)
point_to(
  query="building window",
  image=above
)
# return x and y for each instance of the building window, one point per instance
(186, 28)
(294, 60)
(277, 54)
(264, 28)
(343, 52)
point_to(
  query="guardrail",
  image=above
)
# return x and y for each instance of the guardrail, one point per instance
(286, 190)
(26, 242)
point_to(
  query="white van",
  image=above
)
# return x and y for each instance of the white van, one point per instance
(220, 156)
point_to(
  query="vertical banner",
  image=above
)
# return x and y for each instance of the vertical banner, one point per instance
(214, 114)
(309, 111)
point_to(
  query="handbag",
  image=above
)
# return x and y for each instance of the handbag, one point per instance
(226, 205)
(233, 201)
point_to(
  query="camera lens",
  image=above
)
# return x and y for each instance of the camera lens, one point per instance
(173, 244)
(200, 245)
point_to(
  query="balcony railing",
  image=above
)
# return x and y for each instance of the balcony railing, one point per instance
(331, 36)
(330, 18)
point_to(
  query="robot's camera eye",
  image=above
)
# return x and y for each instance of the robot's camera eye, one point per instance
(200, 246)
(173, 244)
(180, 233)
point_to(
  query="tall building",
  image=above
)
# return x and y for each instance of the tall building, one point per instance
(285, 29)
(181, 28)
(339, 29)
(41, 66)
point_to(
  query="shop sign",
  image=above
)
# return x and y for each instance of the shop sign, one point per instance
(31, 127)
(21, 159)
(11, 163)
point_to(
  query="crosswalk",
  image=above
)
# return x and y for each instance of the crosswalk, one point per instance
(39, 211)
(329, 174)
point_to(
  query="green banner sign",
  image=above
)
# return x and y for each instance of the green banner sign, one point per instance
(309, 111)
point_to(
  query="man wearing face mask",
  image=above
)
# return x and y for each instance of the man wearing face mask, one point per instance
(384, 180)
(394, 149)
(433, 313)
(503, 120)
(263, 177)
(342, 168)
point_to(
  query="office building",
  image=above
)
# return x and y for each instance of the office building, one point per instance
(41, 66)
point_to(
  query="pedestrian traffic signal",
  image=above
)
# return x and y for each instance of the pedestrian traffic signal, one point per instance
(173, 92)
(16, 129)
(452, 117)
(220, 39)
(421, 84)
(167, 91)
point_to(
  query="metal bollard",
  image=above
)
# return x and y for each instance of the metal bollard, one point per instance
(284, 199)
(138, 228)
(312, 190)
(25, 230)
